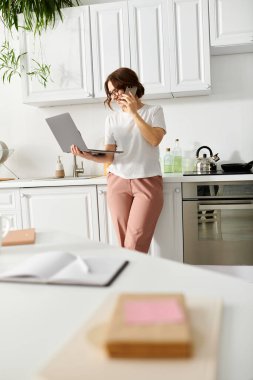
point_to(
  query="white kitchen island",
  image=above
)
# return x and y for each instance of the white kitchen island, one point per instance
(37, 320)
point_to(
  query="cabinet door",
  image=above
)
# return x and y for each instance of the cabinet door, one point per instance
(150, 44)
(10, 207)
(110, 41)
(69, 209)
(106, 229)
(190, 53)
(231, 24)
(66, 48)
(168, 237)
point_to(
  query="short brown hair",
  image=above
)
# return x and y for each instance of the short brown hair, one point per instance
(121, 79)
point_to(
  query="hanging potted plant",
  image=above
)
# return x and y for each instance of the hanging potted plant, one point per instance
(37, 16)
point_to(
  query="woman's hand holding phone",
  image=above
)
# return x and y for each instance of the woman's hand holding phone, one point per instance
(131, 90)
(128, 100)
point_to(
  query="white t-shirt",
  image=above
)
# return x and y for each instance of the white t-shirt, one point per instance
(140, 159)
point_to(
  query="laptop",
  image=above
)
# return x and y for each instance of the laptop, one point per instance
(66, 133)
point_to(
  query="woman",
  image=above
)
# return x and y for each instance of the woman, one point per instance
(135, 186)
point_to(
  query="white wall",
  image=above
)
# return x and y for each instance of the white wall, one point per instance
(222, 120)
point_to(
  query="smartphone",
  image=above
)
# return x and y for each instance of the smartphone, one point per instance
(131, 89)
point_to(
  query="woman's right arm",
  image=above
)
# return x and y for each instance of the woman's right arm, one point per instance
(101, 159)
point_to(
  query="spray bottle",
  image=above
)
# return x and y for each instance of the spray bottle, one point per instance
(59, 170)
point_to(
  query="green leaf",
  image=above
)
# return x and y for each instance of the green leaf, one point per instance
(38, 14)
(9, 62)
(40, 71)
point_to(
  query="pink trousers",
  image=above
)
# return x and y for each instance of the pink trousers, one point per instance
(135, 206)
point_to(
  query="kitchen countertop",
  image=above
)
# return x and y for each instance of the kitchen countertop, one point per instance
(37, 320)
(101, 180)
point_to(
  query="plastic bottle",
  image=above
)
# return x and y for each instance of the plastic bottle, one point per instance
(168, 162)
(177, 157)
(59, 170)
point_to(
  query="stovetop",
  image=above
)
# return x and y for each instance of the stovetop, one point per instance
(218, 172)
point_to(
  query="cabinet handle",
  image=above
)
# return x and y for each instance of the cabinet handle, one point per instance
(177, 190)
(208, 86)
(89, 95)
(22, 195)
(101, 192)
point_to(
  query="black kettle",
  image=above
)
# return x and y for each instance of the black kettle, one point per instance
(206, 164)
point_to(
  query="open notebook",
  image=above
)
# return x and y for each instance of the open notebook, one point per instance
(58, 267)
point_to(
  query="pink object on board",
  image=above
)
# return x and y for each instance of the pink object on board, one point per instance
(150, 312)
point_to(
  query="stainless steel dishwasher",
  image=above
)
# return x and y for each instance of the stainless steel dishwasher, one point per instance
(218, 223)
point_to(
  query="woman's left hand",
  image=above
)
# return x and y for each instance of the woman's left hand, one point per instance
(129, 103)
(74, 150)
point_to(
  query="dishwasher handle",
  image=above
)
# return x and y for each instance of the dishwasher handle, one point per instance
(233, 206)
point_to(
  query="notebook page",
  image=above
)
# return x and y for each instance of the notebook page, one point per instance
(42, 265)
(75, 271)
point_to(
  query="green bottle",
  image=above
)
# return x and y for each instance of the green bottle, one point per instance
(177, 157)
(168, 162)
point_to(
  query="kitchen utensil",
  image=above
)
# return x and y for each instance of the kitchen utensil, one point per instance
(206, 164)
(4, 152)
(237, 167)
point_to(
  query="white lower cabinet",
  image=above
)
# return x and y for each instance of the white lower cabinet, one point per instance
(71, 209)
(168, 237)
(10, 207)
(106, 229)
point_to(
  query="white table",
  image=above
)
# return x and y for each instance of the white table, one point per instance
(36, 320)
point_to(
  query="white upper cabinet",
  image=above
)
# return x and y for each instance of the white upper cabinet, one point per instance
(231, 26)
(190, 52)
(67, 49)
(110, 41)
(150, 45)
(165, 41)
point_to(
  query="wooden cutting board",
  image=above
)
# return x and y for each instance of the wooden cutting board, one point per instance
(154, 325)
(6, 179)
(84, 357)
(20, 237)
